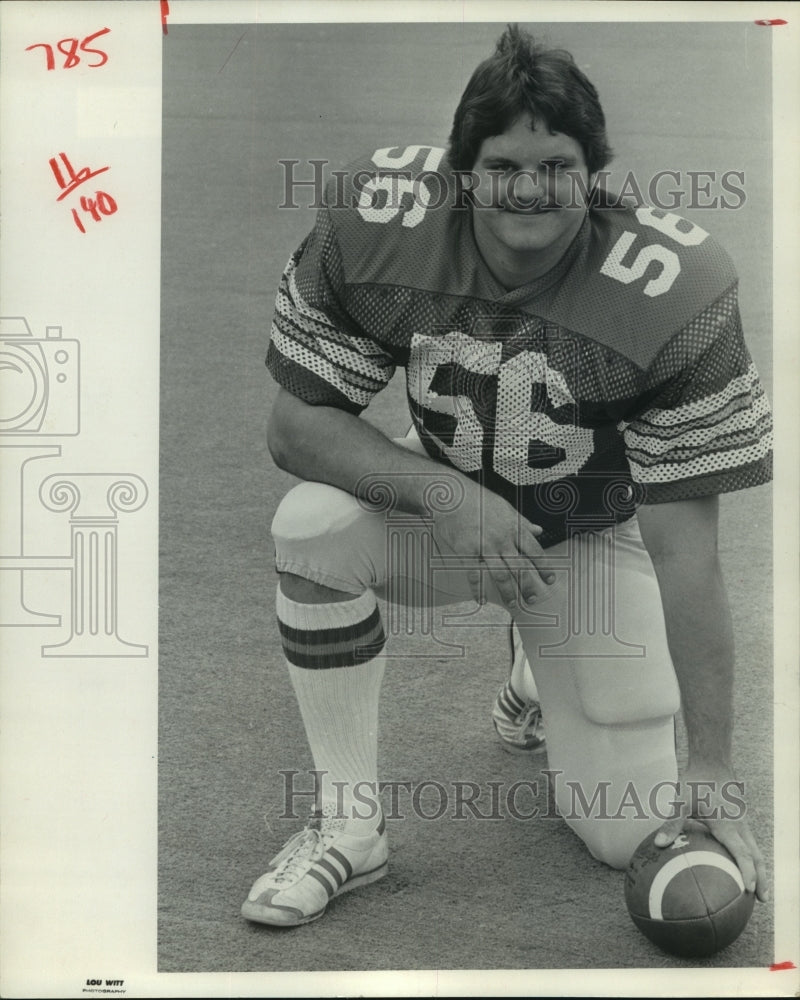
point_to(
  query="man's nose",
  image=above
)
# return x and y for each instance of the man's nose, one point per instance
(525, 189)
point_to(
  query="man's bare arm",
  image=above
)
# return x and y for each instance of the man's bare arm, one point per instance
(681, 538)
(328, 445)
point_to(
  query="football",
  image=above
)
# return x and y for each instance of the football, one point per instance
(688, 898)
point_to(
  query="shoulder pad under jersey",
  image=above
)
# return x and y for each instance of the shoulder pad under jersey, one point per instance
(396, 220)
(644, 275)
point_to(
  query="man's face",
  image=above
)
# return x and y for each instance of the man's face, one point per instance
(526, 205)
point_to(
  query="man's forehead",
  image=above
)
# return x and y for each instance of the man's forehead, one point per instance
(520, 138)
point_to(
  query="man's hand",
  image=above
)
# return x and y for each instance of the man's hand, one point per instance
(493, 537)
(328, 445)
(715, 797)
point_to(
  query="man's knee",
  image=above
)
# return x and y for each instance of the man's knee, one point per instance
(327, 546)
(312, 509)
(613, 841)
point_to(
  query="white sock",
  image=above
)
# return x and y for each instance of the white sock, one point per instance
(336, 667)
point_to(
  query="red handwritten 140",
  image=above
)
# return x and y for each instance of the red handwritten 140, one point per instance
(69, 180)
(68, 47)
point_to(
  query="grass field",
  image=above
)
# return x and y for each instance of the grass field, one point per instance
(497, 894)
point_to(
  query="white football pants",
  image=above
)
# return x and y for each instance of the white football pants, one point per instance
(597, 646)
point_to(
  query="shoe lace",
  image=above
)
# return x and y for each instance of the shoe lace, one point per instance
(304, 848)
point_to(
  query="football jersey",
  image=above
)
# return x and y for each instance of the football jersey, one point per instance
(619, 377)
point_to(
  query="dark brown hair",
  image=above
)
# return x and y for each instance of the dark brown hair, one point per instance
(523, 76)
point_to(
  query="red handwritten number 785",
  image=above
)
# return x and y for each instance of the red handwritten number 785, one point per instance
(68, 47)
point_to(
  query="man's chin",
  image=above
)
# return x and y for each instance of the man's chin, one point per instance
(528, 232)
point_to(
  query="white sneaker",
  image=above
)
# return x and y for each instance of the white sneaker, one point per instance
(317, 864)
(517, 720)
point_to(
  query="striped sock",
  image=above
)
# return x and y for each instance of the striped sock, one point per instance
(335, 665)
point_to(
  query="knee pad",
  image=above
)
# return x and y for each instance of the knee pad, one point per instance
(312, 509)
(627, 691)
(610, 734)
(615, 784)
(323, 534)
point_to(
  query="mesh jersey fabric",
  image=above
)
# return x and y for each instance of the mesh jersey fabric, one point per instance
(619, 377)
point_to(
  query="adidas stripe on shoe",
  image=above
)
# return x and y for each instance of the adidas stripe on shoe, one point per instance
(518, 723)
(517, 720)
(316, 865)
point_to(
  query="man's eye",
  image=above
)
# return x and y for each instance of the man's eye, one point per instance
(557, 166)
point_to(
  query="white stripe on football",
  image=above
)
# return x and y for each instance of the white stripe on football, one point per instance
(680, 863)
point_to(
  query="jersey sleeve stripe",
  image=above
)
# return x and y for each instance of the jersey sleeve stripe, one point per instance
(719, 462)
(755, 473)
(367, 374)
(356, 353)
(750, 423)
(320, 366)
(314, 318)
(302, 307)
(747, 382)
(742, 404)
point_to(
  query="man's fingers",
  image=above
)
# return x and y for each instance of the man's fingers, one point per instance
(517, 584)
(506, 584)
(668, 833)
(536, 581)
(729, 836)
(672, 829)
(762, 879)
(750, 860)
(474, 581)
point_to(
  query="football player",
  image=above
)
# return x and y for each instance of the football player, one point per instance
(582, 394)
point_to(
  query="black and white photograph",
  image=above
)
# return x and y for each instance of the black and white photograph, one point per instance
(630, 349)
(475, 662)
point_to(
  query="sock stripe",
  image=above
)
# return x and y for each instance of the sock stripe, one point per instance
(348, 641)
(350, 655)
(311, 636)
(333, 647)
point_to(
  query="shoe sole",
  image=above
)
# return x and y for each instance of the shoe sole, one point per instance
(518, 751)
(251, 911)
